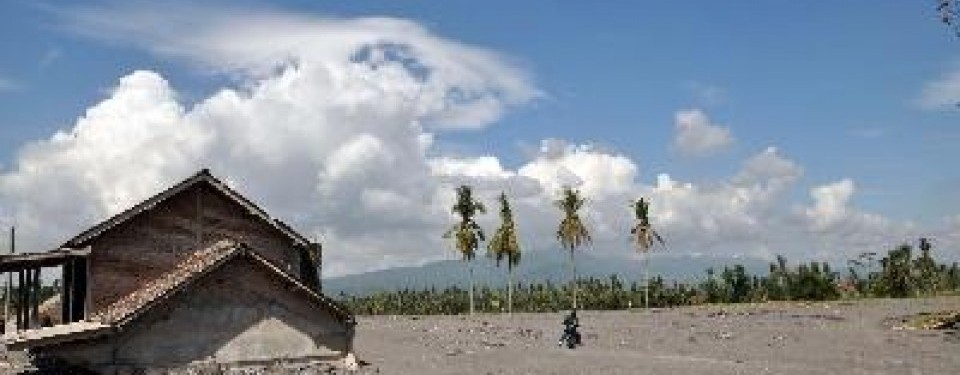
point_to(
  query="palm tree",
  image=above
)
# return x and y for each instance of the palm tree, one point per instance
(949, 13)
(504, 244)
(467, 234)
(643, 237)
(571, 233)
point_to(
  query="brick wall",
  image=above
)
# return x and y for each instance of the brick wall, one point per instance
(127, 256)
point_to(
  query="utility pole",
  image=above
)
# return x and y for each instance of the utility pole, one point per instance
(9, 289)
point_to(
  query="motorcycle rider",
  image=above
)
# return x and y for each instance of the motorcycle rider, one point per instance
(570, 333)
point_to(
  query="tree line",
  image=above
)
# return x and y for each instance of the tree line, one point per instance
(901, 272)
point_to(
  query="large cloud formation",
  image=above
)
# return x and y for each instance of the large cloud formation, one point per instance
(331, 123)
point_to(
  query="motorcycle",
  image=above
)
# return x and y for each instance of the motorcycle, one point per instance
(570, 336)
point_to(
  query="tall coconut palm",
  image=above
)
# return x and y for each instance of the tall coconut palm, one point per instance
(504, 245)
(643, 237)
(571, 232)
(467, 234)
(949, 14)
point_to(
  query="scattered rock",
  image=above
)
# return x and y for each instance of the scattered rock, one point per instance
(490, 344)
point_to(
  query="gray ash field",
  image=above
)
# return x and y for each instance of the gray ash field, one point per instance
(837, 337)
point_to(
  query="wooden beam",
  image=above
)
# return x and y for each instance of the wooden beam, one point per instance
(20, 304)
(15, 262)
(28, 287)
(25, 299)
(84, 299)
(79, 298)
(67, 293)
(36, 298)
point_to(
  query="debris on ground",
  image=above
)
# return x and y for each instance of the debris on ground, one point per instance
(941, 320)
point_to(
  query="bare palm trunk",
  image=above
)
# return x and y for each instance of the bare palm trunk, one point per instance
(573, 270)
(510, 291)
(646, 279)
(470, 291)
(471, 288)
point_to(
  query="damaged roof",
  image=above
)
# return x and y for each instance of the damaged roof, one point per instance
(194, 267)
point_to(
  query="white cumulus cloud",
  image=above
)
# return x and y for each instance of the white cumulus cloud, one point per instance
(442, 83)
(329, 125)
(697, 136)
(832, 223)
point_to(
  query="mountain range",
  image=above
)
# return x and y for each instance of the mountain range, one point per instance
(539, 266)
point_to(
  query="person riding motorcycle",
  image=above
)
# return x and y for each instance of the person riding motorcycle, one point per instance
(570, 335)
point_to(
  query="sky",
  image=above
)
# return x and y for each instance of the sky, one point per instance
(811, 129)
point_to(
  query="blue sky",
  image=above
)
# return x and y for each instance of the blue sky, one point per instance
(834, 86)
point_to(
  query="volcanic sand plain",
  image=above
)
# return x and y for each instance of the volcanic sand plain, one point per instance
(835, 337)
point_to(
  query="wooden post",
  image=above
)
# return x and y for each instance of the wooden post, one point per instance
(82, 281)
(21, 318)
(27, 300)
(35, 319)
(66, 295)
(19, 299)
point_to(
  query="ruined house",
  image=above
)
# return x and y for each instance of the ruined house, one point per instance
(196, 274)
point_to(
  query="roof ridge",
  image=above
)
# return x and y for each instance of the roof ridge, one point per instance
(191, 268)
(202, 175)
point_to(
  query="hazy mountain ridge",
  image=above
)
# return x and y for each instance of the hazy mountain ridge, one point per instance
(536, 266)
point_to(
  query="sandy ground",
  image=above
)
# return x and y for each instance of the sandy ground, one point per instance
(775, 338)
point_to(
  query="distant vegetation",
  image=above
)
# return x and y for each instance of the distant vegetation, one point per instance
(46, 291)
(902, 272)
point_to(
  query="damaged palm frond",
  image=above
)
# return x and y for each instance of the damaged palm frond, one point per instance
(466, 233)
(949, 13)
(643, 238)
(572, 233)
(504, 245)
(643, 233)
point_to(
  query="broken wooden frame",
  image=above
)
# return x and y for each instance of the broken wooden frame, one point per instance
(27, 266)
